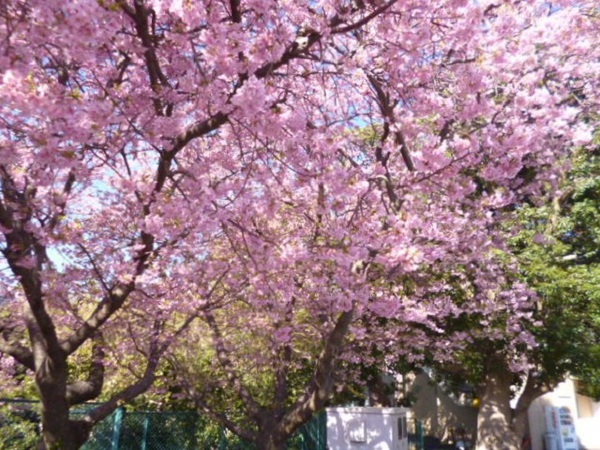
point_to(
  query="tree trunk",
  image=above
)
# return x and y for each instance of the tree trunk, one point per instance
(378, 391)
(58, 431)
(495, 429)
(498, 425)
(270, 434)
(69, 437)
(272, 442)
(531, 391)
(520, 425)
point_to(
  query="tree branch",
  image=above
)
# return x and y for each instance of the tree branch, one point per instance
(109, 304)
(135, 389)
(254, 409)
(83, 391)
(321, 386)
(61, 203)
(387, 111)
(236, 15)
(11, 346)
(221, 418)
(354, 26)
(531, 391)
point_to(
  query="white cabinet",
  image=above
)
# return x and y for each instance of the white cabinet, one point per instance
(367, 428)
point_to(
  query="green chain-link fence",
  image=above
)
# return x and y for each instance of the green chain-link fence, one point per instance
(145, 430)
(185, 430)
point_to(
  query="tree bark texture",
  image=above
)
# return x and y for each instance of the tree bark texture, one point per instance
(498, 425)
(273, 441)
(59, 432)
(495, 429)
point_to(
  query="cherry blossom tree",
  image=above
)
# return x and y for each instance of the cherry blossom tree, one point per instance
(510, 358)
(168, 158)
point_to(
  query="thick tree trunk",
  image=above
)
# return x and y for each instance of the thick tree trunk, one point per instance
(68, 436)
(272, 442)
(495, 429)
(58, 431)
(498, 425)
(520, 425)
(270, 435)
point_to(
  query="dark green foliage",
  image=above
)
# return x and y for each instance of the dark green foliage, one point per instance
(19, 425)
(559, 252)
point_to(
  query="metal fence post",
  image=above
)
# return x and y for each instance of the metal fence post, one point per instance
(222, 439)
(118, 422)
(146, 425)
(420, 435)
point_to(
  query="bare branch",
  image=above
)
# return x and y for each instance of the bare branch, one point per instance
(254, 409)
(387, 111)
(10, 345)
(61, 202)
(109, 304)
(201, 405)
(138, 387)
(356, 25)
(236, 15)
